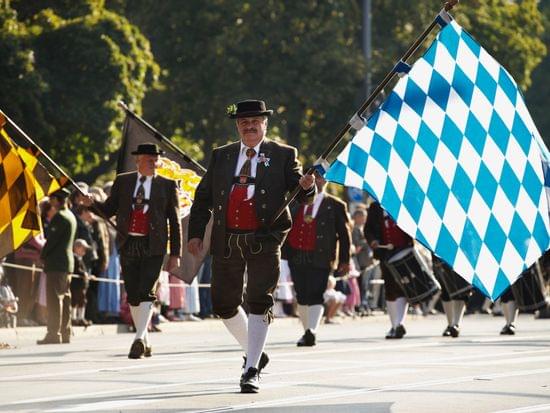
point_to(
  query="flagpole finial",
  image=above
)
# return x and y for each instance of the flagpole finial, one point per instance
(450, 4)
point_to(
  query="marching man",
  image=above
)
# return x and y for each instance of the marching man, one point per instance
(244, 186)
(318, 231)
(147, 209)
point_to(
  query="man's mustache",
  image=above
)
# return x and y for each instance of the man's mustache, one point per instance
(250, 130)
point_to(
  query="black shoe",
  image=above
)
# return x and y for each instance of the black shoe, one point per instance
(400, 331)
(264, 359)
(307, 340)
(137, 350)
(447, 332)
(455, 331)
(391, 334)
(508, 330)
(148, 351)
(250, 381)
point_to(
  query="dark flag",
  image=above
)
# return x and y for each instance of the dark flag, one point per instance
(136, 131)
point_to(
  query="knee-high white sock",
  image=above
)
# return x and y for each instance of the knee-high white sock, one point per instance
(257, 336)
(392, 312)
(143, 313)
(303, 314)
(459, 307)
(74, 313)
(510, 311)
(448, 309)
(315, 313)
(238, 327)
(80, 313)
(402, 308)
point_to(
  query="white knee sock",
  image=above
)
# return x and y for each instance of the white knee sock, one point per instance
(257, 336)
(402, 308)
(74, 313)
(141, 318)
(315, 313)
(392, 312)
(238, 327)
(80, 312)
(448, 309)
(303, 314)
(459, 307)
(510, 311)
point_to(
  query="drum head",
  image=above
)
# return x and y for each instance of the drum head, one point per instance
(400, 255)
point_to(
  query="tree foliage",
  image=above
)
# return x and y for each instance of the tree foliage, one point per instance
(66, 63)
(87, 63)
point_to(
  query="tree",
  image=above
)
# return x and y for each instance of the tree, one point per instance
(87, 63)
(303, 58)
(22, 86)
(538, 95)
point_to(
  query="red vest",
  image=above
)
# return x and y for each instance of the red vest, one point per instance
(139, 222)
(303, 235)
(393, 234)
(241, 212)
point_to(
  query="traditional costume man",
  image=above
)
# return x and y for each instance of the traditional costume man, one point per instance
(147, 209)
(318, 231)
(244, 186)
(382, 232)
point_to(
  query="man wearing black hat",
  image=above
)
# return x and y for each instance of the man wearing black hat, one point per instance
(244, 186)
(144, 203)
(57, 255)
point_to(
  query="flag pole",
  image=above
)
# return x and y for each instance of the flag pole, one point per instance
(161, 137)
(56, 166)
(389, 76)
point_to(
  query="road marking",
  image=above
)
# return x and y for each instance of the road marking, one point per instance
(148, 388)
(528, 409)
(366, 390)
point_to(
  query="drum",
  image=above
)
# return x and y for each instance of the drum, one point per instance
(413, 275)
(529, 290)
(456, 286)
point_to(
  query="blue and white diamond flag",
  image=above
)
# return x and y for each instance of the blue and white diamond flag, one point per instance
(454, 157)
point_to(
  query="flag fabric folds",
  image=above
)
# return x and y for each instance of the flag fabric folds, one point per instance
(23, 182)
(135, 133)
(454, 157)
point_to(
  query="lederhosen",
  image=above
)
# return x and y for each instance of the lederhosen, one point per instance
(308, 275)
(140, 270)
(243, 250)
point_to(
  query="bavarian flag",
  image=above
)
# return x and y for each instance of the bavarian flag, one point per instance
(23, 182)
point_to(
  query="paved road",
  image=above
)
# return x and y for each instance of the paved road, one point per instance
(196, 366)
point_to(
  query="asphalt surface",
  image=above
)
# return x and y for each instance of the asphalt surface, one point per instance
(196, 367)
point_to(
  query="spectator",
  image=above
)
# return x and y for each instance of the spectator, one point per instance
(79, 285)
(58, 264)
(333, 300)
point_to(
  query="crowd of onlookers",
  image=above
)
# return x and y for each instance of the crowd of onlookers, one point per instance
(97, 296)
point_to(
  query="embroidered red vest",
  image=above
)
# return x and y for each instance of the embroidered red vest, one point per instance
(139, 222)
(241, 212)
(303, 235)
(393, 234)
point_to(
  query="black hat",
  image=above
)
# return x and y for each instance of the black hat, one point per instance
(248, 109)
(148, 149)
(62, 193)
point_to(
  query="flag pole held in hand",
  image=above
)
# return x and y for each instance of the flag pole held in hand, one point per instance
(357, 120)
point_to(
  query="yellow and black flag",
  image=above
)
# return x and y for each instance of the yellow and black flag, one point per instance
(23, 182)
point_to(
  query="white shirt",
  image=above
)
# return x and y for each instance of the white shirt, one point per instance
(146, 186)
(253, 165)
(316, 203)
